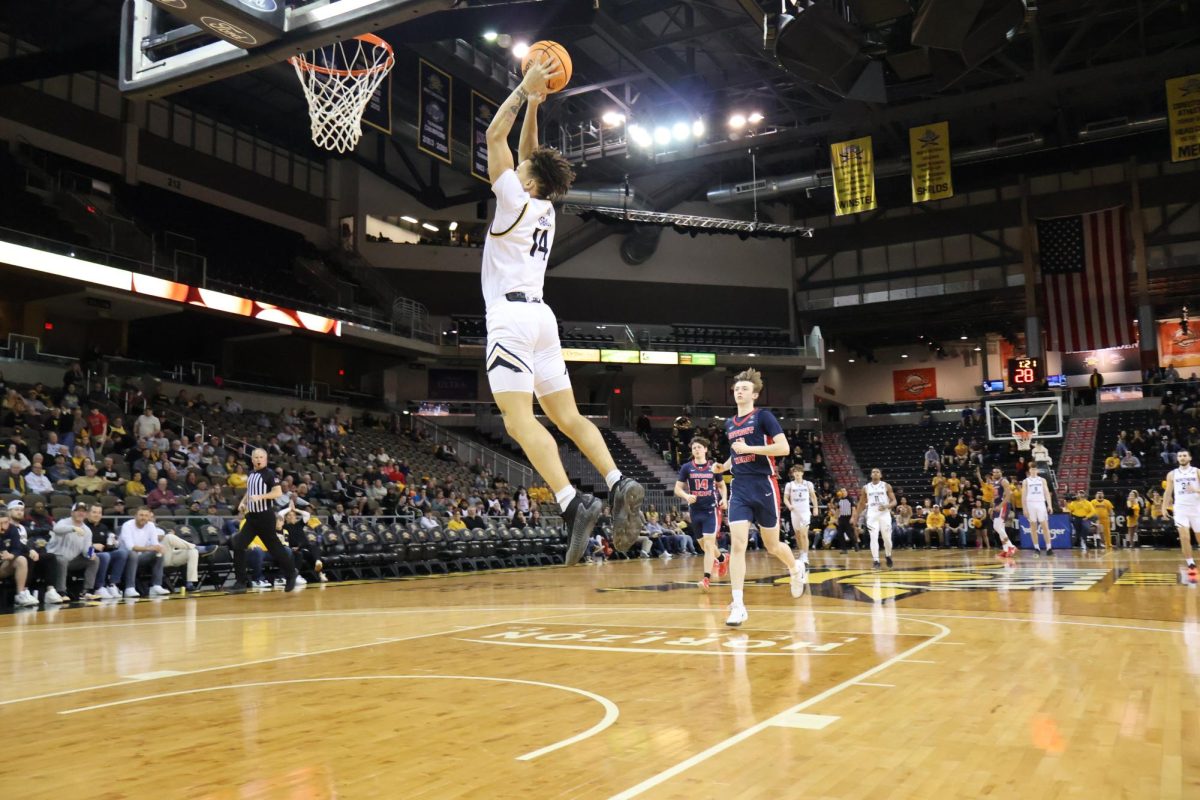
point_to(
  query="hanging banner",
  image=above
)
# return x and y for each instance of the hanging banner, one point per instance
(378, 113)
(482, 112)
(853, 176)
(914, 384)
(433, 111)
(929, 147)
(1183, 114)
(1176, 348)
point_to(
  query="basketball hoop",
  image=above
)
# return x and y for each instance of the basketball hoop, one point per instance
(338, 81)
(1024, 440)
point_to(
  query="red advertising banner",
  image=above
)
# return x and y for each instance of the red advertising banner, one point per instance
(914, 384)
(1176, 348)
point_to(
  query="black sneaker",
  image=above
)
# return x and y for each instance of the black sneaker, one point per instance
(290, 584)
(626, 500)
(875, 565)
(239, 587)
(888, 559)
(1050, 552)
(579, 519)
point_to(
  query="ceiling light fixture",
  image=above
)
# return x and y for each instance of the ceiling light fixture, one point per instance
(520, 50)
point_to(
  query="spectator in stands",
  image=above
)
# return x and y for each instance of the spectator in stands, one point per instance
(70, 539)
(147, 425)
(69, 399)
(935, 526)
(60, 470)
(232, 406)
(161, 496)
(473, 520)
(1111, 465)
(938, 486)
(237, 479)
(1081, 511)
(1095, 384)
(932, 460)
(36, 481)
(134, 487)
(179, 552)
(140, 537)
(1170, 448)
(428, 521)
(456, 522)
(955, 527)
(53, 447)
(675, 531)
(903, 532)
(12, 456)
(88, 483)
(39, 518)
(1130, 464)
(1041, 456)
(338, 516)
(14, 561)
(14, 481)
(97, 425)
(961, 452)
(112, 558)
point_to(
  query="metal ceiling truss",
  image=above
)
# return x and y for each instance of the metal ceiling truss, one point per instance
(690, 222)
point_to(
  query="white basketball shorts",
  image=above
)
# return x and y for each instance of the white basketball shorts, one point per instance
(1036, 514)
(523, 352)
(800, 520)
(1188, 518)
(879, 522)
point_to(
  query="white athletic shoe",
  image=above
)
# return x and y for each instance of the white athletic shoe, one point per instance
(300, 581)
(799, 578)
(52, 597)
(737, 615)
(132, 592)
(25, 599)
(158, 591)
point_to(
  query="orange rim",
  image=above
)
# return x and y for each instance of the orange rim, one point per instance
(369, 38)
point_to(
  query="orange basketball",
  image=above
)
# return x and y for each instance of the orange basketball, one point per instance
(556, 56)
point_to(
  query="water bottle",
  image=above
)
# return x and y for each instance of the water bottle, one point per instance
(91, 552)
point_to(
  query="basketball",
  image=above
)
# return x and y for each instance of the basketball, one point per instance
(556, 56)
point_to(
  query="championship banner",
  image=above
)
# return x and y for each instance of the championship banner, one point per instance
(482, 112)
(853, 168)
(1176, 348)
(1183, 114)
(433, 111)
(914, 384)
(929, 148)
(378, 113)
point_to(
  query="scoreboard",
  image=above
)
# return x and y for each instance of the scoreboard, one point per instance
(1025, 373)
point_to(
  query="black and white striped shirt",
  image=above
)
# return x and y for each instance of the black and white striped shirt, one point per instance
(260, 482)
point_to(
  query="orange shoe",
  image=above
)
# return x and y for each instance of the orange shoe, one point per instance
(704, 584)
(723, 567)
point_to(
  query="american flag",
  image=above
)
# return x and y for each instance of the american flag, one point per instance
(1085, 273)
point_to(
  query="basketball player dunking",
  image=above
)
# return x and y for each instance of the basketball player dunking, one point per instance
(755, 440)
(1037, 505)
(878, 499)
(1182, 499)
(524, 357)
(704, 492)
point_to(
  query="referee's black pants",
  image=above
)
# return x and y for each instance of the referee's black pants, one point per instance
(262, 525)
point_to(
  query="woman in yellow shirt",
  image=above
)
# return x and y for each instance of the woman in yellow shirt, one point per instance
(456, 522)
(237, 480)
(1134, 503)
(935, 522)
(134, 486)
(1112, 465)
(1104, 510)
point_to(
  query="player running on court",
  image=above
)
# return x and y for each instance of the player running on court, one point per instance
(524, 357)
(755, 440)
(1182, 498)
(801, 499)
(878, 499)
(1037, 504)
(705, 494)
(1001, 501)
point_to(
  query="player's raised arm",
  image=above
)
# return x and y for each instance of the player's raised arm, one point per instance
(500, 157)
(529, 126)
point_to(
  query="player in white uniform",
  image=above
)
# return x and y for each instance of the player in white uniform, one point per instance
(1037, 504)
(801, 499)
(879, 500)
(1183, 492)
(524, 357)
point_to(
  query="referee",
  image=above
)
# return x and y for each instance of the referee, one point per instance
(262, 488)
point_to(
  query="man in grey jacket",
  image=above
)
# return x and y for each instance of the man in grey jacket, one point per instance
(70, 541)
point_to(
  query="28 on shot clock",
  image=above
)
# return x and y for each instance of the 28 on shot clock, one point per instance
(1025, 373)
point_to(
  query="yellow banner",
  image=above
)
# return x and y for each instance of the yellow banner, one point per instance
(1183, 113)
(853, 176)
(929, 147)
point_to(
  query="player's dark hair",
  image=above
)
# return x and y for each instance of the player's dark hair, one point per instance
(752, 376)
(797, 468)
(700, 440)
(552, 171)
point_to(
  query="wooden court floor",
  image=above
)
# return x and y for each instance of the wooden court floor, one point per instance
(949, 676)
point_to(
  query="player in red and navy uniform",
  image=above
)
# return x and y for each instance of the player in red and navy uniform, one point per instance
(1001, 502)
(704, 492)
(755, 440)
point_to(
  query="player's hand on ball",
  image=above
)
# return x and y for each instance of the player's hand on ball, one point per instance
(740, 447)
(537, 75)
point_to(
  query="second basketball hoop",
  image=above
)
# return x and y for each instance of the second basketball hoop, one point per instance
(338, 82)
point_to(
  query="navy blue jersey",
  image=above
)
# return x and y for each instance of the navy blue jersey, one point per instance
(757, 428)
(701, 482)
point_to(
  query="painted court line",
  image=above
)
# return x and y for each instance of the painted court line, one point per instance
(240, 664)
(880, 685)
(916, 660)
(806, 722)
(589, 648)
(611, 713)
(737, 738)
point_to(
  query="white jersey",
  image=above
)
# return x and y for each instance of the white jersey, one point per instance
(518, 242)
(798, 495)
(1186, 489)
(1035, 493)
(877, 497)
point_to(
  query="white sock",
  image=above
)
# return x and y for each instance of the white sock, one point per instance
(612, 478)
(737, 597)
(1191, 563)
(565, 496)
(804, 556)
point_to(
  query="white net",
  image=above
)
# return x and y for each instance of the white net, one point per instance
(339, 81)
(1024, 439)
